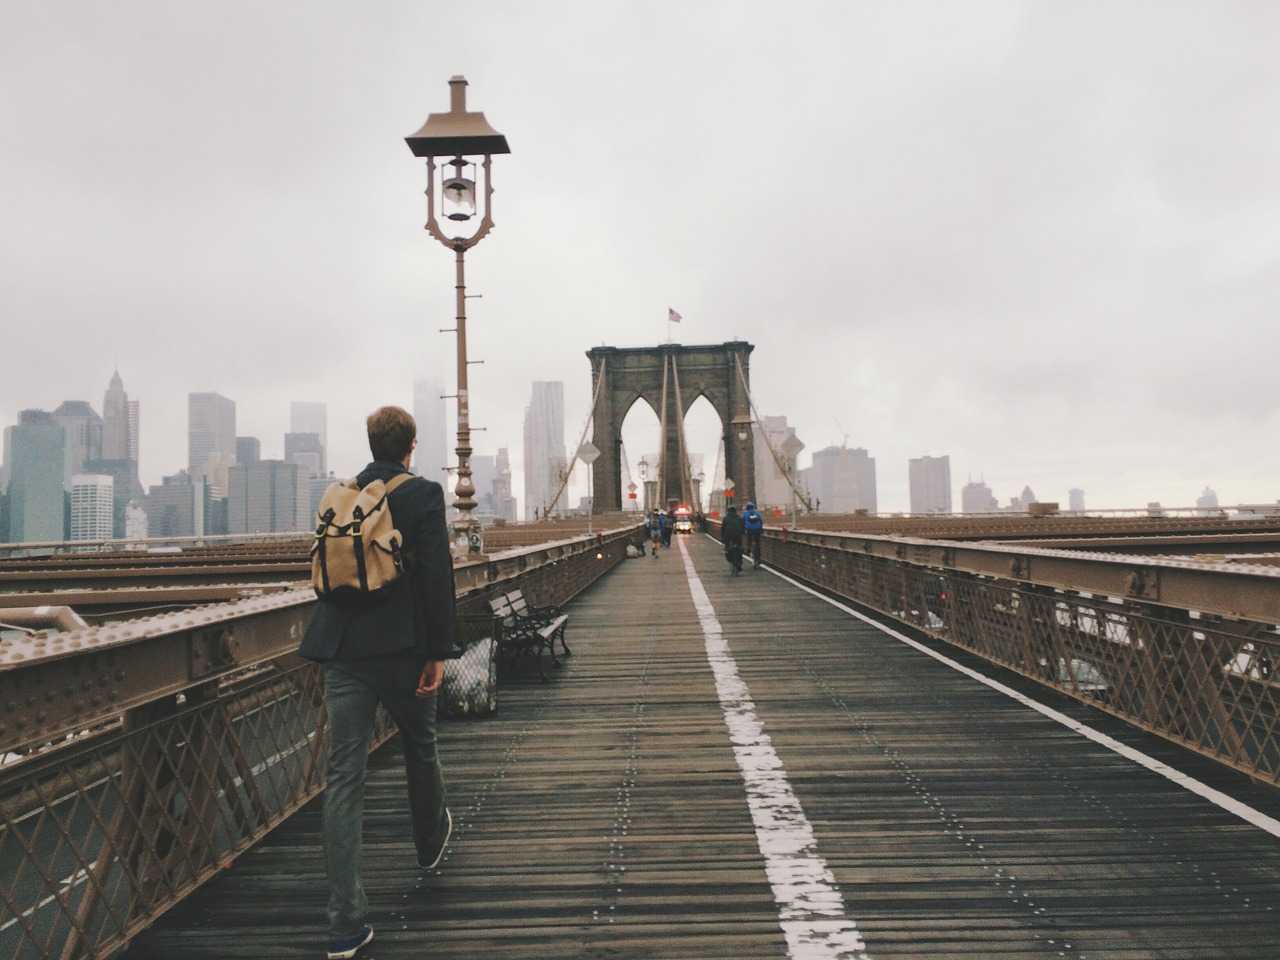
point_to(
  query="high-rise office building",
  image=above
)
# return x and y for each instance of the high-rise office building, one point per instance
(842, 480)
(82, 433)
(483, 470)
(504, 504)
(1075, 499)
(976, 497)
(92, 515)
(134, 414)
(307, 451)
(126, 487)
(1208, 499)
(171, 507)
(115, 420)
(318, 486)
(772, 487)
(37, 505)
(544, 456)
(211, 439)
(6, 459)
(248, 450)
(306, 416)
(930, 479)
(269, 496)
(429, 414)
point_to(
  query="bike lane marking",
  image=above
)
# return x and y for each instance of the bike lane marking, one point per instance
(811, 908)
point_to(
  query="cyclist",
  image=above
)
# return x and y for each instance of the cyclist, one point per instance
(753, 526)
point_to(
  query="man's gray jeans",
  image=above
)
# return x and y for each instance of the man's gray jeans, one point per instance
(352, 692)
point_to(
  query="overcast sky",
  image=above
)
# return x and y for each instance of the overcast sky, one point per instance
(1040, 237)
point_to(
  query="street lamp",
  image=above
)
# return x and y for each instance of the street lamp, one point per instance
(457, 135)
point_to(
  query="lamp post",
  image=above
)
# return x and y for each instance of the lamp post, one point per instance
(459, 135)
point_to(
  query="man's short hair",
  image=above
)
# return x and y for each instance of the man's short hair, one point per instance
(391, 433)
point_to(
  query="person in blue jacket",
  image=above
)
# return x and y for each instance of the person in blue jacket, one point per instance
(753, 526)
(667, 524)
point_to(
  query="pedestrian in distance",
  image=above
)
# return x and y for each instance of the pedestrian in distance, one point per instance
(655, 532)
(666, 523)
(731, 537)
(753, 527)
(382, 628)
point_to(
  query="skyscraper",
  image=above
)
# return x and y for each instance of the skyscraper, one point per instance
(544, 455)
(1075, 499)
(484, 471)
(125, 487)
(504, 504)
(171, 507)
(930, 484)
(6, 459)
(36, 493)
(115, 420)
(92, 515)
(1208, 499)
(842, 480)
(772, 488)
(82, 433)
(307, 451)
(248, 450)
(429, 414)
(135, 425)
(269, 496)
(976, 497)
(307, 416)
(211, 439)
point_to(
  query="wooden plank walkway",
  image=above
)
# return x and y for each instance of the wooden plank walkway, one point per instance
(604, 814)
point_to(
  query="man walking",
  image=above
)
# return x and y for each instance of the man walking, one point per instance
(731, 537)
(386, 647)
(753, 526)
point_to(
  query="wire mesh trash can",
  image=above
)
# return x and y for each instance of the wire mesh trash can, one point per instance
(470, 687)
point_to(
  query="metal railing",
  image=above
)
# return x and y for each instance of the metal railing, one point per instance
(138, 759)
(1188, 650)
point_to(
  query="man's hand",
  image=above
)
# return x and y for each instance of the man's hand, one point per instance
(432, 677)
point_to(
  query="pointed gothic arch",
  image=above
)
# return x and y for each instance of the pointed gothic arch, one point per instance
(670, 378)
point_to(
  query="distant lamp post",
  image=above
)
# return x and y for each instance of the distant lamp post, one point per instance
(458, 135)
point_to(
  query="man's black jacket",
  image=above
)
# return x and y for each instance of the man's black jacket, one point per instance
(413, 617)
(731, 529)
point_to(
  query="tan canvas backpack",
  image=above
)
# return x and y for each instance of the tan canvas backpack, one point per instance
(357, 548)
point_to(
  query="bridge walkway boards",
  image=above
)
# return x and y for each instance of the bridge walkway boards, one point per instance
(604, 815)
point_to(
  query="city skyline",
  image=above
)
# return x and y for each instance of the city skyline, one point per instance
(83, 434)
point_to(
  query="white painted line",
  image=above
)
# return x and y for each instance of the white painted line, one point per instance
(1230, 804)
(811, 909)
(67, 883)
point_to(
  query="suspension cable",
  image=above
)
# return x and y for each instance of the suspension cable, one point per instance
(564, 482)
(686, 475)
(662, 432)
(737, 360)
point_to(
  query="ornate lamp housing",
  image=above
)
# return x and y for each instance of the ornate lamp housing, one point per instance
(458, 134)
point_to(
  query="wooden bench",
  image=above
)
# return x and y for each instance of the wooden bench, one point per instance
(528, 631)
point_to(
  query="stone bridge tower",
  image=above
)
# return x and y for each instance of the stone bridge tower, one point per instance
(670, 378)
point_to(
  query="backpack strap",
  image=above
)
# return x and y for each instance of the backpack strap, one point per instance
(398, 481)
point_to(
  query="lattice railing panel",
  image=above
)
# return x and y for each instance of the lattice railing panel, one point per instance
(1205, 681)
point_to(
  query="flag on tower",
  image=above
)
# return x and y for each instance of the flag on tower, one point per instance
(672, 316)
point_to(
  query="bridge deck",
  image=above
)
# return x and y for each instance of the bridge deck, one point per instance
(605, 814)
